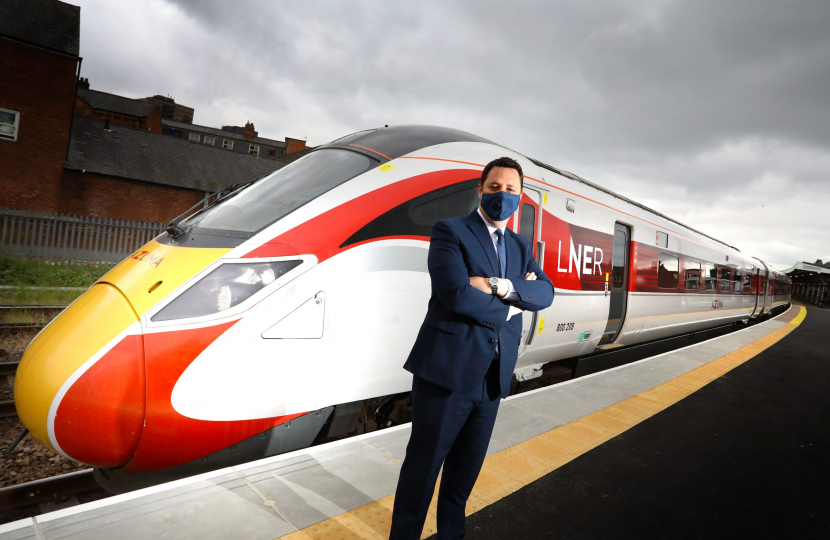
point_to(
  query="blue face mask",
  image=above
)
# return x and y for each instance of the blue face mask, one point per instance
(500, 205)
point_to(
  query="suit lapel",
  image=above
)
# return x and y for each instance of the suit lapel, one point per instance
(479, 229)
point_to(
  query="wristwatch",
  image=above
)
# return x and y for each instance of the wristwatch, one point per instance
(494, 285)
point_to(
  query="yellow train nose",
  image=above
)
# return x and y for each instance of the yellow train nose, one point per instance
(80, 385)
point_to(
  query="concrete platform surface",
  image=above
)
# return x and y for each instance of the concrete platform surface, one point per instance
(345, 489)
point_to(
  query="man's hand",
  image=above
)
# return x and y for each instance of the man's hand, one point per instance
(482, 284)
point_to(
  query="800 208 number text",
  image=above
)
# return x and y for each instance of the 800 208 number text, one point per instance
(564, 327)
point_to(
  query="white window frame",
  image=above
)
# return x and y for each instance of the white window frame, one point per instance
(194, 137)
(253, 150)
(210, 140)
(227, 144)
(15, 126)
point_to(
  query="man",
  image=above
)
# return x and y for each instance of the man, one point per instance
(462, 362)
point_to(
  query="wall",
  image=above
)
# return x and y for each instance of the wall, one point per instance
(92, 194)
(41, 86)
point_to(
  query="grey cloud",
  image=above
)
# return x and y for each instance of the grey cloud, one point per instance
(690, 106)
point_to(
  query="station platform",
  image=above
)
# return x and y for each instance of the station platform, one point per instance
(649, 449)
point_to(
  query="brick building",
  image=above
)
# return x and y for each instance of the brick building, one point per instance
(238, 139)
(109, 159)
(39, 62)
(117, 109)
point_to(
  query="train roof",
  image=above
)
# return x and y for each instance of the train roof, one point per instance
(581, 180)
(393, 142)
(396, 141)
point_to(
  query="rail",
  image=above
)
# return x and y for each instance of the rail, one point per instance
(47, 489)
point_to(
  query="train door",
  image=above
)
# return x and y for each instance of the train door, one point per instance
(619, 283)
(530, 226)
(756, 311)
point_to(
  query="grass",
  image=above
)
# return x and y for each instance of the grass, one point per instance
(26, 296)
(22, 273)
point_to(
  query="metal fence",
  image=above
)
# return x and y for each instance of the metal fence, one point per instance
(49, 236)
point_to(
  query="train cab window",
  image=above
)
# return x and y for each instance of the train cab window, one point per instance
(416, 217)
(736, 281)
(527, 225)
(692, 275)
(277, 195)
(710, 277)
(433, 209)
(747, 282)
(667, 272)
(725, 278)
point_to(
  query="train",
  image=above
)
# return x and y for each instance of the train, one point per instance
(280, 315)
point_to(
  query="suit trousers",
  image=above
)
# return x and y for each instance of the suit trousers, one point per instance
(450, 428)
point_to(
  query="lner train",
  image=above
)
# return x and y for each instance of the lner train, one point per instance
(282, 314)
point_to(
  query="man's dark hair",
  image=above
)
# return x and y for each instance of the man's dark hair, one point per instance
(507, 163)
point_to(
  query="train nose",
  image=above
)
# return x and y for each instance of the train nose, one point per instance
(80, 387)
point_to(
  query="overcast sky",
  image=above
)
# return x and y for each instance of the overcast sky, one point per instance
(716, 113)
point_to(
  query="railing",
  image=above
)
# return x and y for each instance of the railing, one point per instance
(53, 237)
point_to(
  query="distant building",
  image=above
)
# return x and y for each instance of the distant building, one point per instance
(111, 157)
(244, 140)
(811, 281)
(170, 110)
(134, 174)
(118, 110)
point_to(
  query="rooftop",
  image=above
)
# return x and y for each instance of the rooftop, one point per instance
(140, 155)
(47, 23)
(116, 104)
(220, 133)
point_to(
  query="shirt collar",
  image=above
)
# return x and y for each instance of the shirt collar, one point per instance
(490, 227)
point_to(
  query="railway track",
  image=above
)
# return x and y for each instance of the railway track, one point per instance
(47, 490)
(40, 314)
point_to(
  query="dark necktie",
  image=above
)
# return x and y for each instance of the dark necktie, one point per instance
(502, 254)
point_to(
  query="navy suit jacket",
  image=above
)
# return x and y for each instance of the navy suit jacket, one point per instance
(458, 338)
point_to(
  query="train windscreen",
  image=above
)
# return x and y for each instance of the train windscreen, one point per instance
(284, 191)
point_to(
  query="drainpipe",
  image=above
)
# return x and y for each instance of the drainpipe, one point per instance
(74, 98)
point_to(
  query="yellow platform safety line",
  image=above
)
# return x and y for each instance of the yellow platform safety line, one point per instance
(513, 468)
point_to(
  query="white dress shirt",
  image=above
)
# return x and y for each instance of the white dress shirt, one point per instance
(512, 295)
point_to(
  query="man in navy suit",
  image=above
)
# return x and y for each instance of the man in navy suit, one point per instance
(462, 362)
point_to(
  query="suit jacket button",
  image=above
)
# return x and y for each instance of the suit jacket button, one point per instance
(493, 340)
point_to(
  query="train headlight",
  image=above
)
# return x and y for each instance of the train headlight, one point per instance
(225, 287)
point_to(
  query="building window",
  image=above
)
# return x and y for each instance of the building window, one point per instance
(667, 272)
(253, 150)
(194, 137)
(9, 121)
(210, 140)
(227, 144)
(692, 275)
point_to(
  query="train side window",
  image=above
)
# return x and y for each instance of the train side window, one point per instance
(527, 225)
(710, 277)
(736, 281)
(747, 282)
(692, 275)
(725, 278)
(667, 272)
(662, 239)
